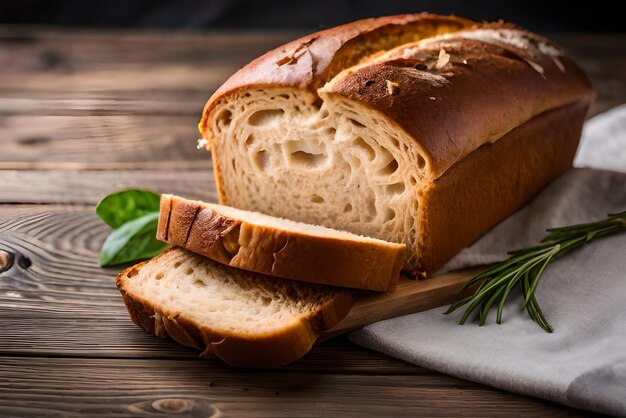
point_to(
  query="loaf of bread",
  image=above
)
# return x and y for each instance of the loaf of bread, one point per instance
(245, 319)
(280, 247)
(417, 129)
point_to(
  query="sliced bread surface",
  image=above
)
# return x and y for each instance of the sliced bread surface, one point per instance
(280, 247)
(244, 318)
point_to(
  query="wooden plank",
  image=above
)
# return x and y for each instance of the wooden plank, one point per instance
(166, 82)
(78, 387)
(116, 65)
(65, 105)
(149, 80)
(41, 49)
(89, 187)
(88, 141)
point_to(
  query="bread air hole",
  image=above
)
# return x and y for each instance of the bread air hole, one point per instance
(199, 283)
(224, 118)
(250, 140)
(266, 117)
(356, 123)
(347, 208)
(367, 148)
(307, 159)
(317, 199)
(261, 159)
(371, 211)
(304, 153)
(389, 169)
(351, 162)
(390, 214)
(396, 188)
(421, 162)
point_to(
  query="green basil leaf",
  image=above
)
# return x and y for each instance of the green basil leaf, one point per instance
(126, 205)
(132, 241)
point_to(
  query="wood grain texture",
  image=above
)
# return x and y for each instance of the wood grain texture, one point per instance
(120, 65)
(55, 299)
(190, 388)
(86, 141)
(66, 105)
(89, 187)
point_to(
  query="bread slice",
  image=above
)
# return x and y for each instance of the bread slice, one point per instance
(280, 247)
(245, 319)
(365, 127)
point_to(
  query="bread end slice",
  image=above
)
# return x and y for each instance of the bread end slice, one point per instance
(245, 319)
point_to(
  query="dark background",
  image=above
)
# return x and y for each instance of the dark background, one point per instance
(588, 16)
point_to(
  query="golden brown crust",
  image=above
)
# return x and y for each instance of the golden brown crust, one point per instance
(309, 62)
(494, 181)
(282, 253)
(206, 233)
(181, 217)
(272, 349)
(480, 92)
(165, 208)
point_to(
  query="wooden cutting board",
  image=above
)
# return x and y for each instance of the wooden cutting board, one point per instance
(411, 296)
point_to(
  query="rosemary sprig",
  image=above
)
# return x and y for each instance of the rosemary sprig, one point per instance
(525, 267)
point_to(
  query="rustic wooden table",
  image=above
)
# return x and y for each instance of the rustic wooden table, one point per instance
(85, 113)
